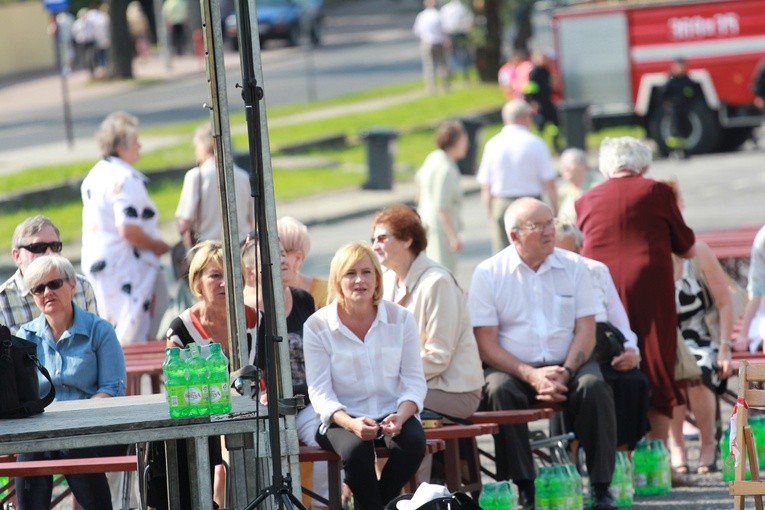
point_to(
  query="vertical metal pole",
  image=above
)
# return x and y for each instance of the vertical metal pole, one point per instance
(162, 37)
(63, 71)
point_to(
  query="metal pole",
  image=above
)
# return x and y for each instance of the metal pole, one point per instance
(310, 73)
(63, 72)
(164, 46)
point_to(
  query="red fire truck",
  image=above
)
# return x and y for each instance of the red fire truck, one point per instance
(615, 58)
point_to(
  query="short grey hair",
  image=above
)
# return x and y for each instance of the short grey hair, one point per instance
(624, 154)
(514, 110)
(293, 235)
(115, 132)
(513, 211)
(575, 156)
(42, 265)
(566, 229)
(30, 227)
(203, 138)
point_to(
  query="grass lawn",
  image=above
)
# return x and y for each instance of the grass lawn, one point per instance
(413, 119)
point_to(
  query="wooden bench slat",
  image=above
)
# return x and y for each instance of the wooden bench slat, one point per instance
(318, 454)
(510, 417)
(456, 431)
(69, 466)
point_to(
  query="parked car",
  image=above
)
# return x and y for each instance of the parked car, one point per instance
(283, 19)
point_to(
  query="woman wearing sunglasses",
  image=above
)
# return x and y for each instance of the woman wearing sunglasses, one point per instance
(85, 360)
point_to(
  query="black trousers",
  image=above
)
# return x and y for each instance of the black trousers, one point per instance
(358, 460)
(590, 408)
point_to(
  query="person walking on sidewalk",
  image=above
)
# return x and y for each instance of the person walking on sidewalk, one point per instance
(121, 244)
(433, 44)
(516, 163)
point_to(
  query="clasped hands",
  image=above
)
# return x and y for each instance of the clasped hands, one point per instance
(550, 383)
(368, 429)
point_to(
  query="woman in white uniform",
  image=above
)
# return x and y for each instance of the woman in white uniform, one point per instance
(121, 244)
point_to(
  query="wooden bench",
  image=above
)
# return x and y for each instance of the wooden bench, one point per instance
(141, 359)
(457, 478)
(334, 501)
(12, 468)
(511, 417)
(733, 248)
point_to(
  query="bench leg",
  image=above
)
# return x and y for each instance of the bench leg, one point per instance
(472, 473)
(452, 467)
(335, 485)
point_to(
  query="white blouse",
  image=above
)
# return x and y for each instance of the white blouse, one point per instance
(364, 378)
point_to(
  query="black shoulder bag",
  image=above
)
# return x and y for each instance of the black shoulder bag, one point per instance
(609, 342)
(19, 387)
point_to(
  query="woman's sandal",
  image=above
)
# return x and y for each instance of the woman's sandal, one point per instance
(709, 468)
(681, 470)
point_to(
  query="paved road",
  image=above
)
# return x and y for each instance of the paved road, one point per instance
(366, 44)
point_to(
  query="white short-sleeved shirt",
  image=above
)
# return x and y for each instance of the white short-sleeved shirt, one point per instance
(427, 27)
(612, 309)
(456, 18)
(534, 312)
(204, 179)
(756, 284)
(515, 163)
(363, 378)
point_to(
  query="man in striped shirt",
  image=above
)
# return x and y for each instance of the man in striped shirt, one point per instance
(32, 238)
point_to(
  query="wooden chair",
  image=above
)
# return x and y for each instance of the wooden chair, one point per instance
(752, 396)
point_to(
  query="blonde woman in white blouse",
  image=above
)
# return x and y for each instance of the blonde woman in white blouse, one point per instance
(365, 378)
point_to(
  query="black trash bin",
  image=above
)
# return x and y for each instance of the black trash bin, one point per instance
(575, 124)
(381, 148)
(473, 127)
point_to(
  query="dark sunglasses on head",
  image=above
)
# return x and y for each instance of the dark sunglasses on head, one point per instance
(52, 285)
(38, 248)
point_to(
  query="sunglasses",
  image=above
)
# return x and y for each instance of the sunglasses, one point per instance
(52, 285)
(379, 238)
(38, 248)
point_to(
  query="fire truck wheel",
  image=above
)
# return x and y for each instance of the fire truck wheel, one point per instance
(706, 133)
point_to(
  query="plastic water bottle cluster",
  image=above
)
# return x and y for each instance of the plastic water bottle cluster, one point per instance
(622, 484)
(196, 381)
(652, 468)
(498, 496)
(558, 487)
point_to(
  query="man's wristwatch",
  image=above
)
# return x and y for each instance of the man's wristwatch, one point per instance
(570, 372)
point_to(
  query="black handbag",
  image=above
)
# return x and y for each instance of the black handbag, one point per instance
(609, 342)
(19, 386)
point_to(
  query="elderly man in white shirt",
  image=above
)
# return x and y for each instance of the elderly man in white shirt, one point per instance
(533, 312)
(433, 42)
(516, 163)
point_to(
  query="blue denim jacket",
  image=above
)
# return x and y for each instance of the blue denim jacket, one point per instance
(86, 360)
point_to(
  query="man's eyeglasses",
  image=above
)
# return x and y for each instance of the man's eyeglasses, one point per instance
(539, 227)
(39, 248)
(379, 238)
(52, 285)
